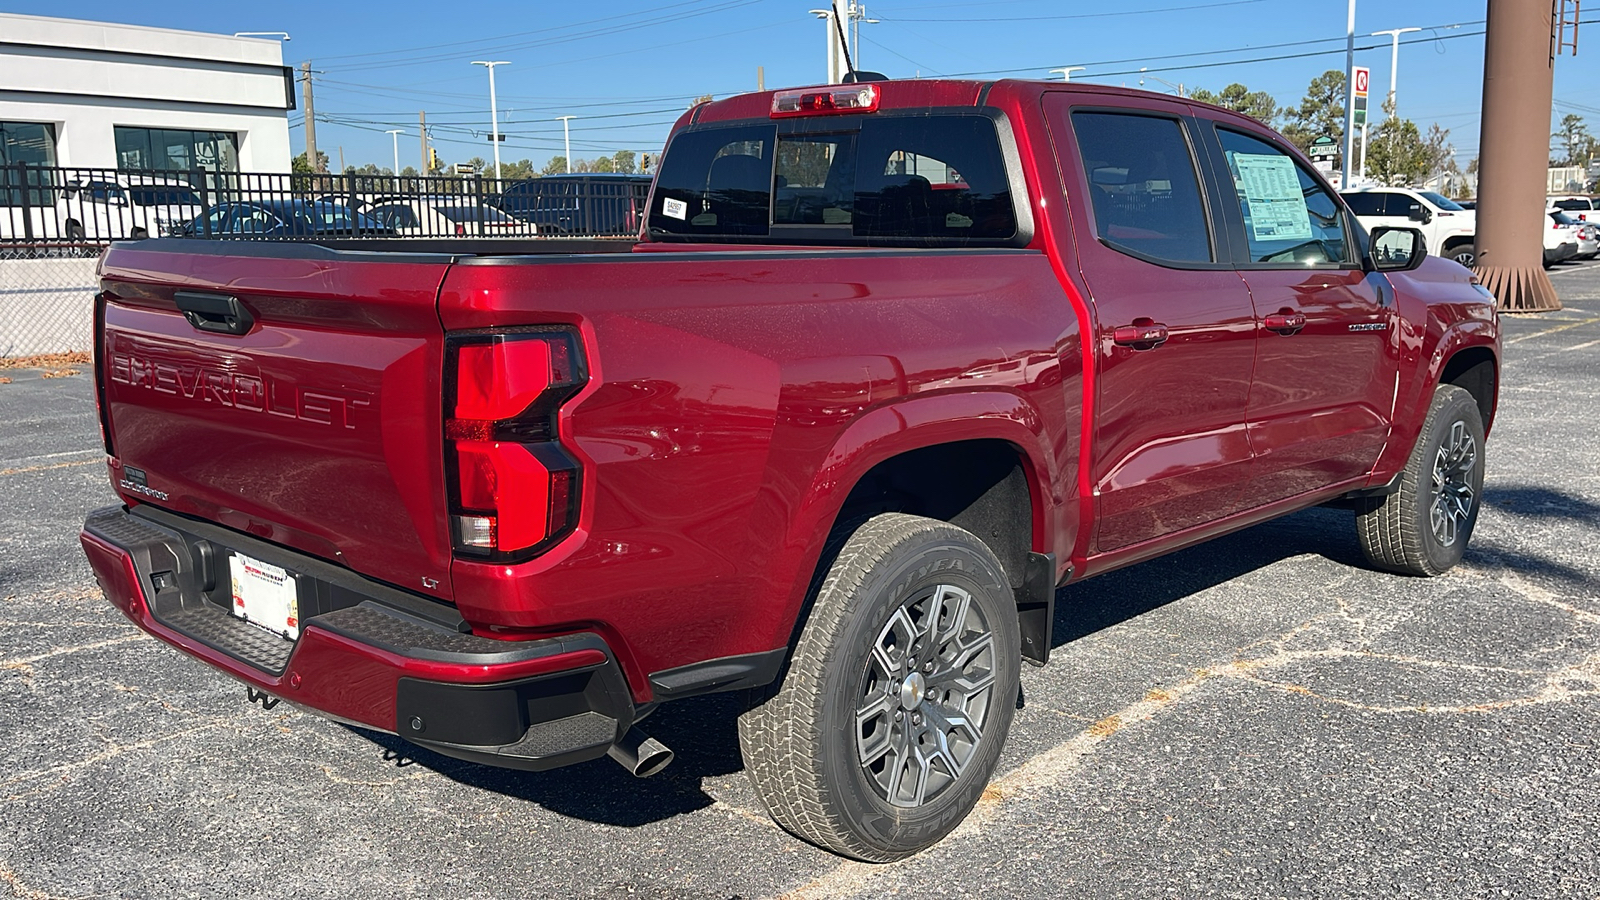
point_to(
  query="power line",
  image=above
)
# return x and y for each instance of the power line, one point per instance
(1103, 15)
(607, 31)
(501, 37)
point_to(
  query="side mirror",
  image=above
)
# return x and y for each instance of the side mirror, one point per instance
(1395, 249)
(1419, 213)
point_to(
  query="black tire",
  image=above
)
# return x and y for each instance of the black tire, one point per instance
(805, 740)
(1423, 528)
(74, 231)
(139, 234)
(1465, 254)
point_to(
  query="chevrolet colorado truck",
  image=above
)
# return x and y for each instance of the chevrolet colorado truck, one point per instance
(888, 364)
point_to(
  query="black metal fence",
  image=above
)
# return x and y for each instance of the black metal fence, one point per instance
(47, 207)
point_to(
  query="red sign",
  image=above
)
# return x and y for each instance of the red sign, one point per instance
(1362, 77)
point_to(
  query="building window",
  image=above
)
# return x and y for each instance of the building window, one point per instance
(33, 143)
(27, 144)
(169, 148)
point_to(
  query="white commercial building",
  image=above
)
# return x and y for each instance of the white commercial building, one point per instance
(76, 93)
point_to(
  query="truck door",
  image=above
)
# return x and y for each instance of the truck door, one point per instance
(1174, 330)
(1327, 354)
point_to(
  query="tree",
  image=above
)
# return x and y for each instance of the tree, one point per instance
(1321, 112)
(1258, 105)
(1396, 153)
(300, 166)
(623, 161)
(1575, 140)
(409, 172)
(556, 166)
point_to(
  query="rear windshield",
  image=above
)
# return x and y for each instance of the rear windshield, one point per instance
(163, 196)
(931, 180)
(1574, 203)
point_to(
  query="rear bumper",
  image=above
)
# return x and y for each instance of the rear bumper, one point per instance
(367, 654)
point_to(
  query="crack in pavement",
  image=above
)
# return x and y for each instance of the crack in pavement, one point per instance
(27, 662)
(1051, 767)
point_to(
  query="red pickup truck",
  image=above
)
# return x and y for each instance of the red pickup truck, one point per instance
(889, 364)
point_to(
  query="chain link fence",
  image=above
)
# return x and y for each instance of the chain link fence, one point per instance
(47, 298)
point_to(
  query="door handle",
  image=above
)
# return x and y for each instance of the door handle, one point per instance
(1285, 322)
(1143, 334)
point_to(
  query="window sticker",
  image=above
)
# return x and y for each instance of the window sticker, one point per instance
(1272, 192)
(677, 209)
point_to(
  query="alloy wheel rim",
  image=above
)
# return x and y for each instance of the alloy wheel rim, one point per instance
(925, 697)
(1454, 497)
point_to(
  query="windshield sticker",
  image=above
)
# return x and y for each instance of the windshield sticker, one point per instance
(676, 209)
(1272, 192)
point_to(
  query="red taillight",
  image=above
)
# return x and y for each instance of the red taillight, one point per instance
(460, 229)
(513, 487)
(829, 101)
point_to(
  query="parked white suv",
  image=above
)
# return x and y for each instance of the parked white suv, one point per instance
(1448, 229)
(125, 206)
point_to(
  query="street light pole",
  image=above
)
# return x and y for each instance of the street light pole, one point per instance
(494, 114)
(566, 134)
(1394, 70)
(1066, 71)
(1349, 142)
(394, 135)
(1177, 87)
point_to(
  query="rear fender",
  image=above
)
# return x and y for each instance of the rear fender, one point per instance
(911, 424)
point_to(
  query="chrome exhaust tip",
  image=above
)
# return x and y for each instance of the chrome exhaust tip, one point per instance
(640, 753)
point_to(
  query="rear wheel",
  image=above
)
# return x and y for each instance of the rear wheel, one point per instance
(1423, 528)
(74, 231)
(140, 234)
(883, 734)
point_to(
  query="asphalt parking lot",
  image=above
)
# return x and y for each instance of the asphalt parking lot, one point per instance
(1260, 716)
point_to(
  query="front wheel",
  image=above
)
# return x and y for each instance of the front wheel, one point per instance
(1465, 254)
(1423, 528)
(885, 730)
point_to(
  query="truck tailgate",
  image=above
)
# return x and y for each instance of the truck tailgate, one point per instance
(317, 426)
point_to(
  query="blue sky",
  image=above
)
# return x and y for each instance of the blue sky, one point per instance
(626, 68)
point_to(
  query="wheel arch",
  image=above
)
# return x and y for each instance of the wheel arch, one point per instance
(899, 457)
(1476, 370)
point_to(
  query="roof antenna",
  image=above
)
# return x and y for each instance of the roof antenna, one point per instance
(851, 76)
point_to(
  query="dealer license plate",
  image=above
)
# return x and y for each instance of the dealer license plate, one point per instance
(265, 595)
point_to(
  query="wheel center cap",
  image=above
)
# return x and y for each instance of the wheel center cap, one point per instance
(912, 690)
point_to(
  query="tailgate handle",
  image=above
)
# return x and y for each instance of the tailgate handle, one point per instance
(216, 313)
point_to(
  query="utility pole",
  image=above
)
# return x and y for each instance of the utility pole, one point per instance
(857, 13)
(394, 135)
(422, 136)
(566, 132)
(1066, 71)
(761, 78)
(494, 115)
(1346, 157)
(311, 117)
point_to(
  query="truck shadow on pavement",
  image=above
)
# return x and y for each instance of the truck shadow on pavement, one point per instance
(703, 732)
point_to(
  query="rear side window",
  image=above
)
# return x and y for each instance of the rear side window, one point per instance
(1289, 219)
(938, 179)
(1143, 186)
